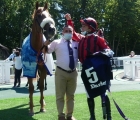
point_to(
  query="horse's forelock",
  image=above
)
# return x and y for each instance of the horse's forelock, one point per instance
(37, 11)
(41, 11)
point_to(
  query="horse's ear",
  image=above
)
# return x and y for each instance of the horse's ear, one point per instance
(37, 5)
(46, 6)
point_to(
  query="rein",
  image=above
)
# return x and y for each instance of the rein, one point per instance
(40, 61)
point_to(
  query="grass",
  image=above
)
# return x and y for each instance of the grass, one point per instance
(17, 109)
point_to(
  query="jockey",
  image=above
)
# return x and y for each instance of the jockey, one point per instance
(94, 54)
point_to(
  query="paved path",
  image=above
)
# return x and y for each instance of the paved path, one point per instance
(118, 84)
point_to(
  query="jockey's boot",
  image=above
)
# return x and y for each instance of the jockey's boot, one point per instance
(104, 110)
(91, 106)
(108, 108)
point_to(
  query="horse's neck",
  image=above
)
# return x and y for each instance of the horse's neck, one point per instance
(36, 40)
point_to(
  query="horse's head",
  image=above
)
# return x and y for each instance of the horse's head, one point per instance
(46, 24)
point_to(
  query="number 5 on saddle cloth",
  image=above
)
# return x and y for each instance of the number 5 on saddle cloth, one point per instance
(96, 74)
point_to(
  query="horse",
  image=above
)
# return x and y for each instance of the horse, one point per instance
(4, 51)
(43, 27)
(45, 82)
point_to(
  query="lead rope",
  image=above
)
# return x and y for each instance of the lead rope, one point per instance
(118, 108)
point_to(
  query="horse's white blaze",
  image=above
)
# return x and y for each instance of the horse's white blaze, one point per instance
(45, 13)
(47, 20)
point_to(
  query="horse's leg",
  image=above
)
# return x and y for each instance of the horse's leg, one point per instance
(31, 90)
(38, 84)
(41, 87)
(45, 83)
(38, 74)
(27, 84)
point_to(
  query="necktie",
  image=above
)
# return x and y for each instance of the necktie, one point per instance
(71, 63)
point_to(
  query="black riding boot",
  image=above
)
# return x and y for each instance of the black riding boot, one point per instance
(91, 106)
(104, 110)
(103, 106)
(108, 108)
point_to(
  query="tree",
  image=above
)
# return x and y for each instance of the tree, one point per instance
(121, 25)
(119, 18)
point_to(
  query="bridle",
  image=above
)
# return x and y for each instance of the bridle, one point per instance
(39, 60)
(42, 25)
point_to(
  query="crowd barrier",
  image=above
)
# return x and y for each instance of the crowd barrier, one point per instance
(130, 66)
(5, 67)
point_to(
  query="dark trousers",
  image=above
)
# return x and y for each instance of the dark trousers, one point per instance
(17, 76)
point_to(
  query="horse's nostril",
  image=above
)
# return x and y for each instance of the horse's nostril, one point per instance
(52, 29)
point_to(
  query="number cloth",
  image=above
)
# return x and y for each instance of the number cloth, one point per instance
(96, 75)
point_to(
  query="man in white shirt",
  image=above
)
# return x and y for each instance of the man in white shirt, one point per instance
(18, 69)
(65, 76)
(11, 57)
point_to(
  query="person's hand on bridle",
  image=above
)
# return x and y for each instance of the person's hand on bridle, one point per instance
(47, 42)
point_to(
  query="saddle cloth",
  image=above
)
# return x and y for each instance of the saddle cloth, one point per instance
(29, 59)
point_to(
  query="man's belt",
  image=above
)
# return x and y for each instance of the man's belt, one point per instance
(68, 71)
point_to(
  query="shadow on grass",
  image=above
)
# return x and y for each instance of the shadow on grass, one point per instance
(16, 113)
(22, 90)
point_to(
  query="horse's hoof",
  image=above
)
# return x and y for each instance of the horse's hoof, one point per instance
(42, 110)
(31, 113)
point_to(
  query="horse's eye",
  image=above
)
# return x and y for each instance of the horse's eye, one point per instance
(39, 15)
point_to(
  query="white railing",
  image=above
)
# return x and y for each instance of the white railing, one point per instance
(130, 65)
(118, 63)
(5, 71)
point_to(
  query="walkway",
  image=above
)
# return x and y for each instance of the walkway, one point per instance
(118, 84)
